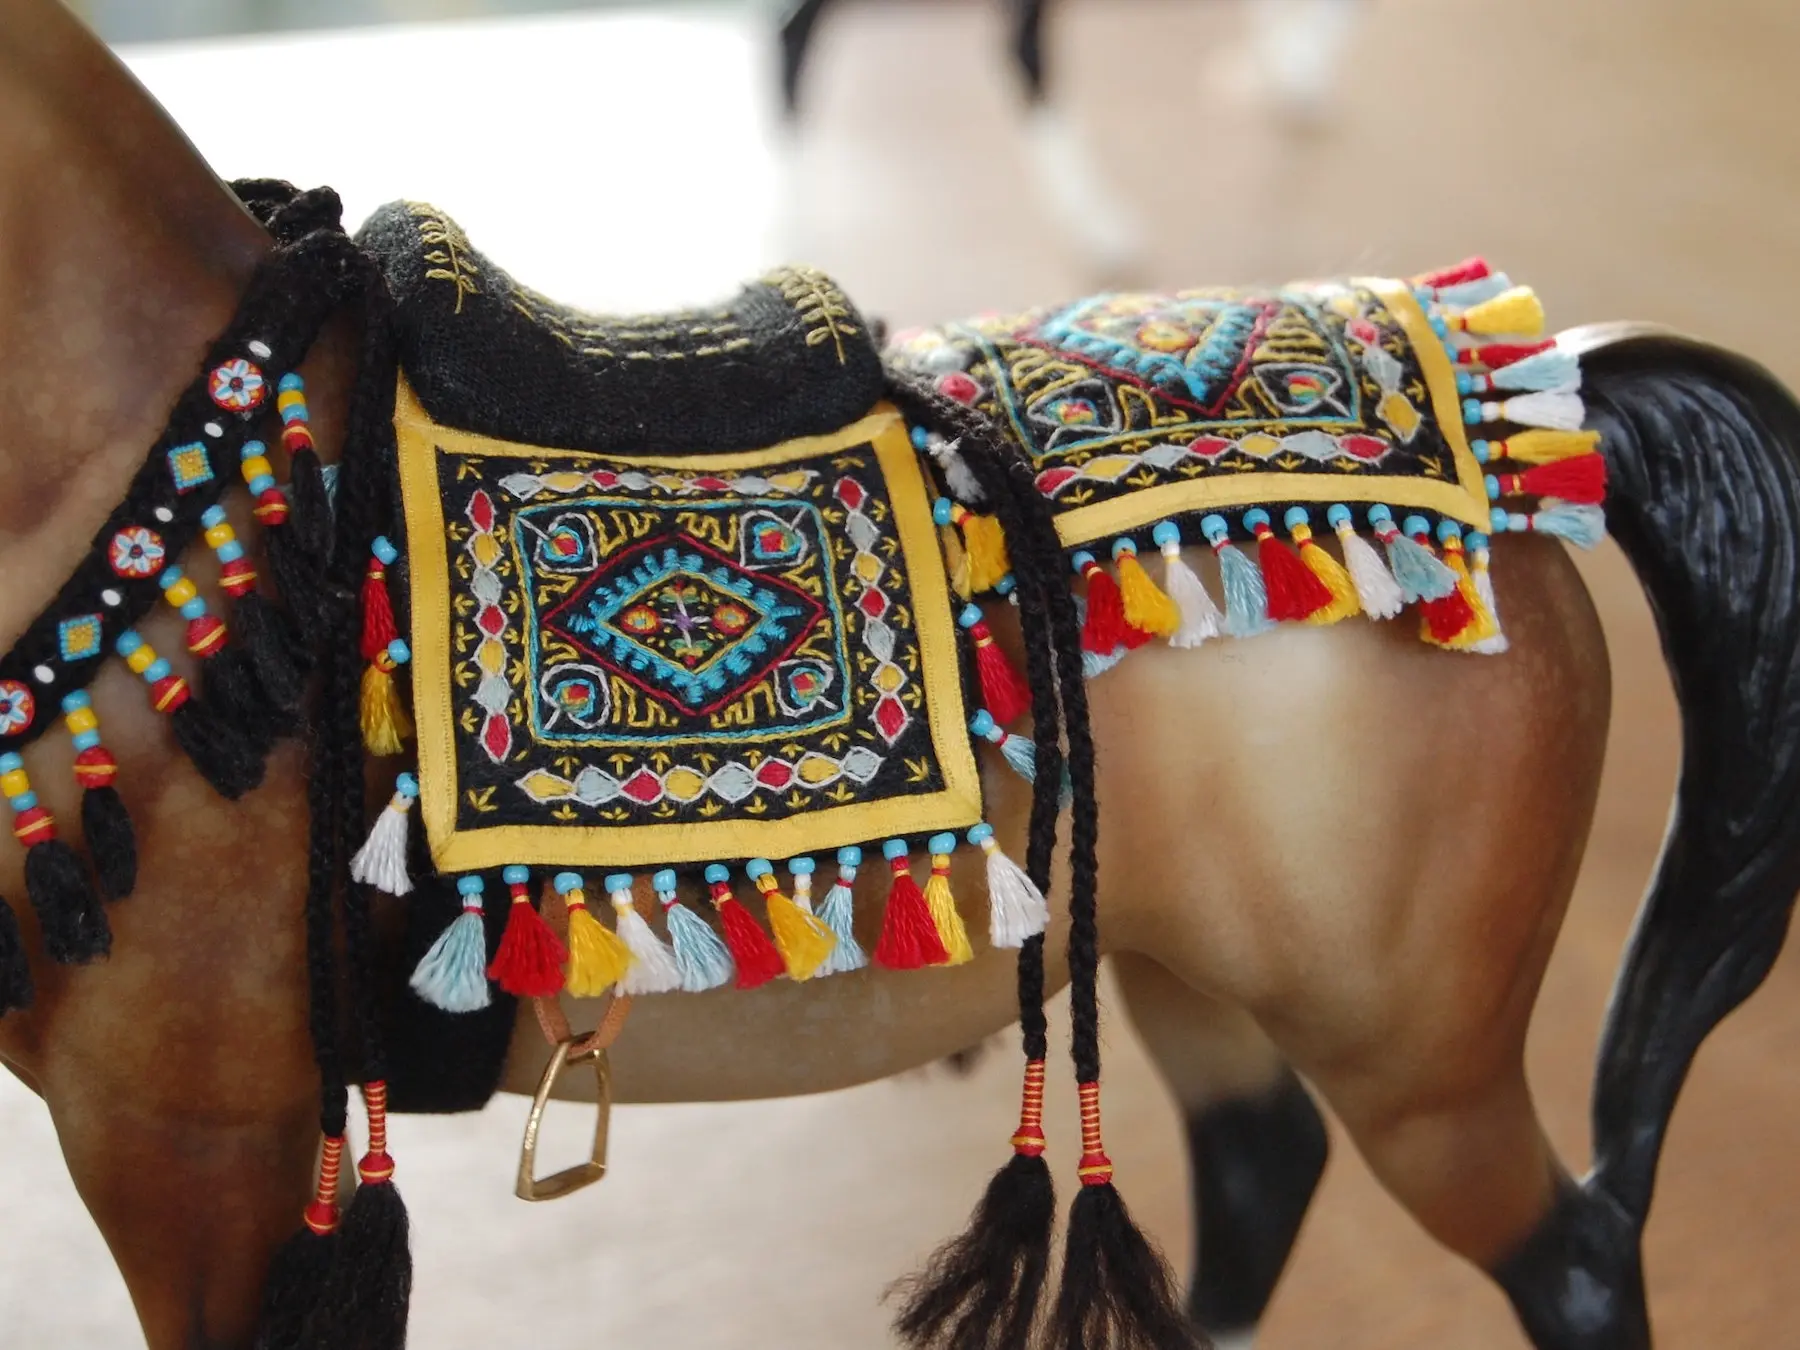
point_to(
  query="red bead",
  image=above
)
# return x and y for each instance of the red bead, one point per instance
(237, 576)
(168, 693)
(34, 825)
(271, 507)
(295, 437)
(205, 635)
(375, 1167)
(322, 1217)
(95, 767)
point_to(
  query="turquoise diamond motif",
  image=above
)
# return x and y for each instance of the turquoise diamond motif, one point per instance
(190, 466)
(79, 637)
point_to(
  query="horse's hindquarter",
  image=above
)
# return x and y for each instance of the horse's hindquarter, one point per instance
(1366, 840)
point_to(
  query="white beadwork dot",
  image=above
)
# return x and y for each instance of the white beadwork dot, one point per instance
(44, 674)
(260, 349)
(214, 430)
(163, 514)
(110, 598)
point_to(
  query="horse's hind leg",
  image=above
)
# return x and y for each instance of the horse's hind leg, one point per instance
(1256, 1143)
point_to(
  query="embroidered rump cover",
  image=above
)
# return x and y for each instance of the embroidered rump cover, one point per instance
(630, 661)
(1137, 408)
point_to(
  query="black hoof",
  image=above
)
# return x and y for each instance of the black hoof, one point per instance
(1577, 1283)
(1256, 1164)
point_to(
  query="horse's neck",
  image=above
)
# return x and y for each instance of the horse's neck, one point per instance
(120, 258)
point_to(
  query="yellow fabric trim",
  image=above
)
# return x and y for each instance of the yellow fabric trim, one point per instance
(1465, 500)
(421, 440)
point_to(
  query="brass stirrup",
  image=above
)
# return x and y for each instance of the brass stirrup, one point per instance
(571, 1179)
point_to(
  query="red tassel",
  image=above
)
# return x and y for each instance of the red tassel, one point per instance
(1581, 480)
(909, 939)
(1003, 689)
(1448, 616)
(1498, 354)
(1105, 629)
(1295, 591)
(377, 612)
(754, 954)
(531, 958)
(1469, 269)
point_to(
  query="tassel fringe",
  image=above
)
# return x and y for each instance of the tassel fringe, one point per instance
(805, 942)
(838, 912)
(598, 957)
(1200, 616)
(941, 903)
(909, 939)
(1016, 909)
(531, 958)
(452, 975)
(704, 961)
(381, 862)
(653, 969)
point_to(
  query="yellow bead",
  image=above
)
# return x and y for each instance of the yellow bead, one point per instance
(290, 398)
(14, 784)
(82, 719)
(142, 657)
(181, 592)
(219, 535)
(256, 466)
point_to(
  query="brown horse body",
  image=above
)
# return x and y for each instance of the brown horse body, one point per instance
(1333, 849)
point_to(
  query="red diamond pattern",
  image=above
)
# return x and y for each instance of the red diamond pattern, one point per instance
(851, 493)
(775, 773)
(873, 603)
(496, 737)
(481, 511)
(891, 717)
(642, 787)
(491, 621)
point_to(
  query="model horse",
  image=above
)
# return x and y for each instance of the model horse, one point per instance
(1335, 853)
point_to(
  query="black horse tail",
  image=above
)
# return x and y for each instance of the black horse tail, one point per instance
(1703, 448)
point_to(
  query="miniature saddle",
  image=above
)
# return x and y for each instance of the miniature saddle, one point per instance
(788, 357)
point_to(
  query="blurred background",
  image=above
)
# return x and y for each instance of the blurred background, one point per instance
(1630, 158)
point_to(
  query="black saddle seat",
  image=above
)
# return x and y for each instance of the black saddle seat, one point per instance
(789, 356)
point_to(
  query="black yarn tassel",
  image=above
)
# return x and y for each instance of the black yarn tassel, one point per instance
(272, 650)
(300, 547)
(68, 910)
(295, 1315)
(111, 842)
(15, 971)
(371, 1281)
(1117, 1292)
(981, 1289)
(222, 754)
(233, 693)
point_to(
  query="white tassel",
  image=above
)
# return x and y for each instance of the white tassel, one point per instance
(1200, 615)
(957, 473)
(1016, 909)
(653, 968)
(381, 861)
(1484, 587)
(1376, 588)
(1556, 411)
(801, 869)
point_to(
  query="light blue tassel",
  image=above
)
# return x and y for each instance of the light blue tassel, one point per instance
(1246, 600)
(1553, 369)
(837, 912)
(453, 974)
(1421, 573)
(704, 960)
(1582, 526)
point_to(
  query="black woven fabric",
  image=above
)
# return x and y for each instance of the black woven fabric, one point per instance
(788, 356)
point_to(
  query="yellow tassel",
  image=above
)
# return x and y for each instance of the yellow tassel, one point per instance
(1516, 311)
(1147, 609)
(984, 543)
(1330, 573)
(944, 916)
(1547, 447)
(598, 957)
(385, 725)
(1483, 626)
(805, 943)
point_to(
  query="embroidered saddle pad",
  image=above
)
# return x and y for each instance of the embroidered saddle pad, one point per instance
(788, 357)
(636, 660)
(1139, 408)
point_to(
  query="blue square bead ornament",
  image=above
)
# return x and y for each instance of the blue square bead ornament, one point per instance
(190, 466)
(79, 637)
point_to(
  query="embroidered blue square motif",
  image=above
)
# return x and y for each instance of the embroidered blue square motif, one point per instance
(190, 466)
(79, 637)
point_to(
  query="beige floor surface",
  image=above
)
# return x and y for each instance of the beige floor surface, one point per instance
(1630, 158)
